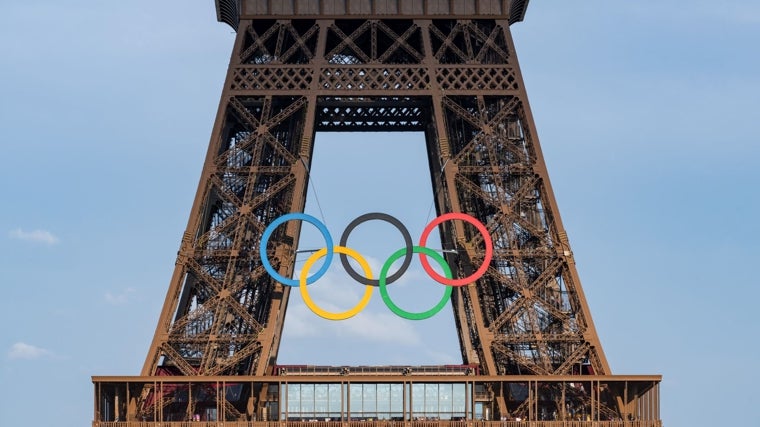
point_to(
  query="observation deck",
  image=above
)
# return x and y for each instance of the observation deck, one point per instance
(232, 11)
(364, 397)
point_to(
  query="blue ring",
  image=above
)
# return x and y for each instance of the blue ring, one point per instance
(268, 233)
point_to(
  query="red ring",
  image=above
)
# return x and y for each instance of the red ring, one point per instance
(486, 238)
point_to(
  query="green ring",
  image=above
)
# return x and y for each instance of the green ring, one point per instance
(384, 288)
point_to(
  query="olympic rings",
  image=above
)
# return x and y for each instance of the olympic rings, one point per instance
(268, 233)
(384, 289)
(407, 252)
(486, 261)
(383, 280)
(307, 298)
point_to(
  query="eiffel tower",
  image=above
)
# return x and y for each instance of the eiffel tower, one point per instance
(447, 68)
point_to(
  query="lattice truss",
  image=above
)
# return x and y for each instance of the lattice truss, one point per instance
(529, 300)
(570, 398)
(373, 55)
(226, 295)
(454, 79)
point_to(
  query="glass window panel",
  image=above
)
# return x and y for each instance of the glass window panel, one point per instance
(383, 398)
(294, 398)
(383, 401)
(459, 399)
(431, 399)
(307, 400)
(478, 410)
(418, 400)
(335, 399)
(321, 399)
(445, 397)
(370, 400)
(397, 398)
(356, 400)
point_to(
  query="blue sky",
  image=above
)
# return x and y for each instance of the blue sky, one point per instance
(648, 114)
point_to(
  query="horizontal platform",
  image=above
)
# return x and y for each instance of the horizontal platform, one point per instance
(232, 11)
(363, 376)
(311, 370)
(383, 424)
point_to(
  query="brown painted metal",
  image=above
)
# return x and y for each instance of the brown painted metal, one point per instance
(232, 11)
(457, 80)
(447, 68)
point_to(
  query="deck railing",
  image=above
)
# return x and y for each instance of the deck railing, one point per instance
(650, 423)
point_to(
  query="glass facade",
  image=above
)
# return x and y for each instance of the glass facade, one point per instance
(445, 401)
(376, 401)
(313, 401)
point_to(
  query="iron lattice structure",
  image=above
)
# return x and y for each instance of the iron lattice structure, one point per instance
(446, 68)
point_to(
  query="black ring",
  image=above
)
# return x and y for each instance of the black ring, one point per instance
(389, 219)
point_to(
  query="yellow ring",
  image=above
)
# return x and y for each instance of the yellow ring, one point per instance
(305, 292)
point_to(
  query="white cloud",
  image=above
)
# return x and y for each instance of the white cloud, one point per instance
(36, 236)
(119, 298)
(26, 351)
